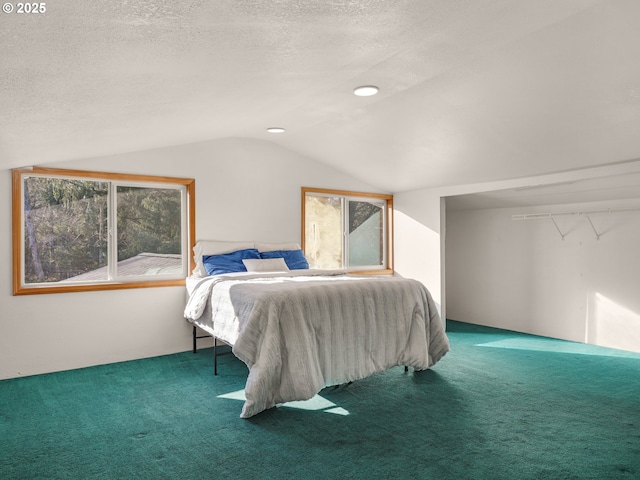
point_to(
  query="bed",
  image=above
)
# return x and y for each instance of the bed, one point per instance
(299, 330)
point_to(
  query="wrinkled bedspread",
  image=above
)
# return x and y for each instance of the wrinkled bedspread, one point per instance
(300, 334)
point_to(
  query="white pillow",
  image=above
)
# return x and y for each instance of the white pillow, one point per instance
(272, 247)
(214, 247)
(265, 265)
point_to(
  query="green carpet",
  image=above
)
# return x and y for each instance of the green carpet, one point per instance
(500, 405)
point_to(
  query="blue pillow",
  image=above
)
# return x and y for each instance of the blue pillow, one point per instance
(228, 262)
(294, 259)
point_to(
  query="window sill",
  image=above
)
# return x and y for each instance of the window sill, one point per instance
(95, 287)
(386, 271)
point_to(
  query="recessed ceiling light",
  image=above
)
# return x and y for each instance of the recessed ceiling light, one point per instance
(275, 130)
(366, 90)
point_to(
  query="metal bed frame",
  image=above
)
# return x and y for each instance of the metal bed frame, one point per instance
(216, 353)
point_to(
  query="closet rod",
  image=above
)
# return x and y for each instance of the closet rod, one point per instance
(535, 216)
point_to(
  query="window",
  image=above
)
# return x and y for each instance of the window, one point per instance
(75, 230)
(351, 230)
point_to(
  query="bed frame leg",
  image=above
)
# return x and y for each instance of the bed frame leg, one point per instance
(215, 356)
(195, 350)
(215, 349)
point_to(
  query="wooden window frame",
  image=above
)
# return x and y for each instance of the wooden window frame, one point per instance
(354, 194)
(18, 234)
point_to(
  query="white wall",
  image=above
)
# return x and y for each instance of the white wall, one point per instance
(245, 190)
(248, 189)
(417, 242)
(428, 248)
(522, 275)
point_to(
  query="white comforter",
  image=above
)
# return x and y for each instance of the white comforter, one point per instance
(299, 334)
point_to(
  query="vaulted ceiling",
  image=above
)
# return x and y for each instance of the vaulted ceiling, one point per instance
(470, 90)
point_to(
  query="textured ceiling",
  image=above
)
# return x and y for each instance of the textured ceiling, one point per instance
(471, 90)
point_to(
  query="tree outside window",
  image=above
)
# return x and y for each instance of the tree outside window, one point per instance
(78, 230)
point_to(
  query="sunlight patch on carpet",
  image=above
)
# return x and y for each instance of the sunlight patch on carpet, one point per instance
(338, 411)
(237, 395)
(315, 403)
(558, 346)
